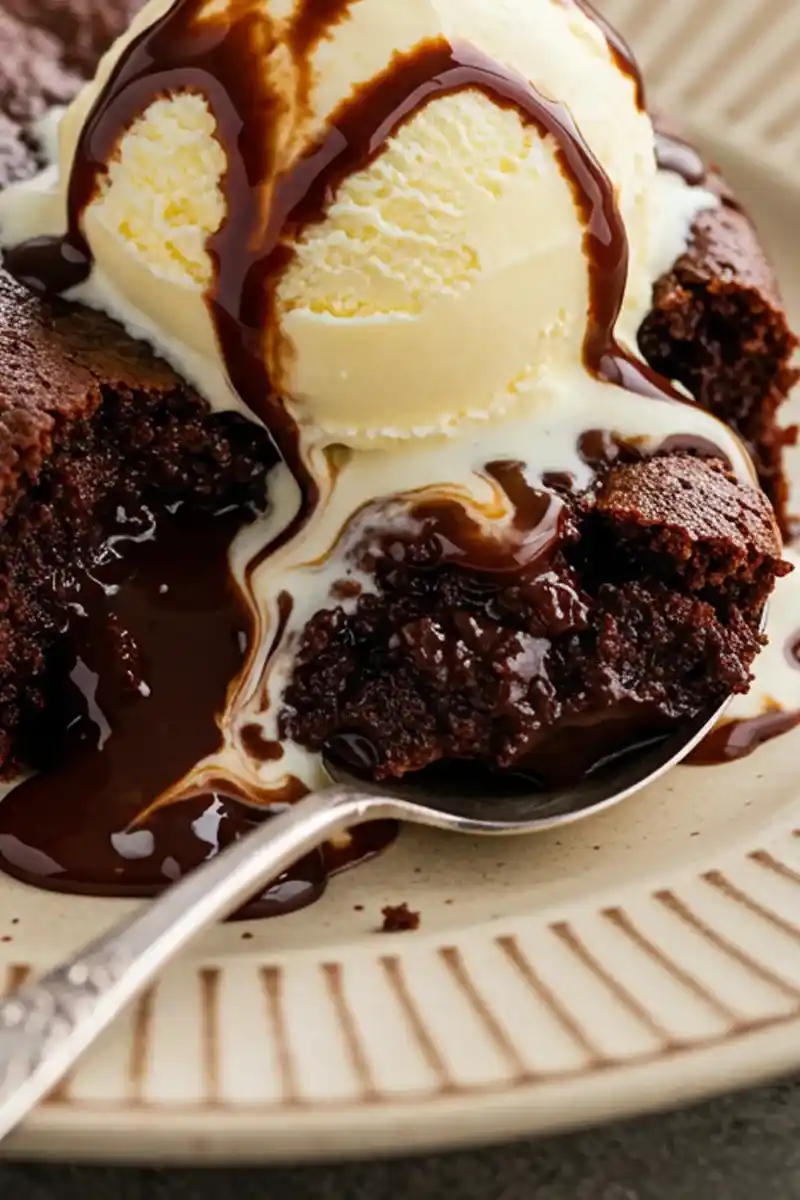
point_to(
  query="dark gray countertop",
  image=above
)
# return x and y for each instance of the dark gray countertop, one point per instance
(732, 1149)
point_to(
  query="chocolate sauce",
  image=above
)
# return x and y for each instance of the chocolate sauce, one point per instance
(599, 448)
(559, 481)
(444, 533)
(673, 154)
(733, 740)
(154, 644)
(259, 747)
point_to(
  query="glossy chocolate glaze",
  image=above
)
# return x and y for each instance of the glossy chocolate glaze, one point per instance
(733, 740)
(457, 539)
(157, 635)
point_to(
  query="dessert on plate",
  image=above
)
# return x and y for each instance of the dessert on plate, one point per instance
(374, 379)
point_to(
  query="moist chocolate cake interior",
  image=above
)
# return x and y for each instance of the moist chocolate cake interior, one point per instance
(644, 609)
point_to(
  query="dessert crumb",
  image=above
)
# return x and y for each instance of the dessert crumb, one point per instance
(399, 918)
(358, 907)
(247, 937)
(347, 589)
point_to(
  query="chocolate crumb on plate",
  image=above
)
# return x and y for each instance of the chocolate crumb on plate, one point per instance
(399, 918)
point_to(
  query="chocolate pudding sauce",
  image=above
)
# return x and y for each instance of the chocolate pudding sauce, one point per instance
(156, 637)
(733, 740)
(525, 549)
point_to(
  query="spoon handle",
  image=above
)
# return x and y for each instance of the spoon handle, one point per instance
(46, 1026)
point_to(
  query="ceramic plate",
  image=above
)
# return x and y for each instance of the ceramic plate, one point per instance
(647, 957)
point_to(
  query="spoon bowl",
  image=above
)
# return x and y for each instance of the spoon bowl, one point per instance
(464, 805)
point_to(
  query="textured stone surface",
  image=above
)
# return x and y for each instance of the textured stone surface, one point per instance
(737, 1148)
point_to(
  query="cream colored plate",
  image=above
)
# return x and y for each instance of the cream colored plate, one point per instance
(646, 958)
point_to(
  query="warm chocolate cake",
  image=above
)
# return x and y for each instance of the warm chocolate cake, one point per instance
(651, 602)
(647, 610)
(719, 327)
(90, 422)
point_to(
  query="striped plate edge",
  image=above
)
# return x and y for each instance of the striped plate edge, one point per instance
(663, 976)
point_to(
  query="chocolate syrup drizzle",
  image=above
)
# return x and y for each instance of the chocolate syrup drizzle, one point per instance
(156, 637)
(732, 740)
(460, 541)
(269, 202)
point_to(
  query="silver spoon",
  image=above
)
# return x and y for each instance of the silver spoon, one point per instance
(46, 1026)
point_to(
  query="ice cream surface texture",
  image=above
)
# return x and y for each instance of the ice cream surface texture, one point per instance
(441, 278)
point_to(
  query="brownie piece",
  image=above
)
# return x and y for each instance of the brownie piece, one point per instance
(83, 29)
(90, 421)
(719, 327)
(399, 918)
(696, 527)
(648, 612)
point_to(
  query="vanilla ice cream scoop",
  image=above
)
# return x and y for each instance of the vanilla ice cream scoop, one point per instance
(362, 217)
